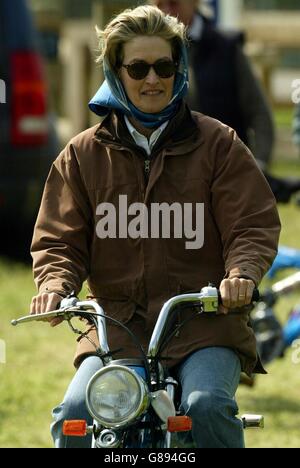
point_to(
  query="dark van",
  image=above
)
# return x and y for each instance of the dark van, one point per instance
(28, 142)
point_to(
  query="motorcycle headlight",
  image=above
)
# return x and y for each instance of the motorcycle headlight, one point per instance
(117, 396)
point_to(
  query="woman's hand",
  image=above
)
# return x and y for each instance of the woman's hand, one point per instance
(236, 292)
(46, 302)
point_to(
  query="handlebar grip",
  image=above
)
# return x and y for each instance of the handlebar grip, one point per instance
(255, 296)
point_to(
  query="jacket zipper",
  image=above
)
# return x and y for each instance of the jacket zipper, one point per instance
(147, 167)
(147, 162)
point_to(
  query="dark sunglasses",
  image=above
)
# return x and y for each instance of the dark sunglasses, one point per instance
(163, 68)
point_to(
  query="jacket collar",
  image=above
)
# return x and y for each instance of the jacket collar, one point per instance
(181, 133)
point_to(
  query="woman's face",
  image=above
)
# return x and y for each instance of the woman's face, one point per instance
(151, 94)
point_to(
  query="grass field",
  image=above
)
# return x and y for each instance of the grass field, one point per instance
(39, 363)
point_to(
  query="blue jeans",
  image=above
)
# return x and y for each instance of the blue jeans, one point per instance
(209, 380)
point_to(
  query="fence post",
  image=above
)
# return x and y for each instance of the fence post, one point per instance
(230, 13)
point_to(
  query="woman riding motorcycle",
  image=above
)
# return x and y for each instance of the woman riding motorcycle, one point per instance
(150, 149)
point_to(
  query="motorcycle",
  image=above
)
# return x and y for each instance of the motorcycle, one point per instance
(287, 258)
(133, 402)
(272, 338)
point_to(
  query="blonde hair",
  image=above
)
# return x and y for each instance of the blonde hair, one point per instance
(141, 21)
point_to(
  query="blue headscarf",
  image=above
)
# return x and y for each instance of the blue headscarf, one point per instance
(112, 95)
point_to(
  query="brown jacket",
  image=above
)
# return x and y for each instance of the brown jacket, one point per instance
(196, 160)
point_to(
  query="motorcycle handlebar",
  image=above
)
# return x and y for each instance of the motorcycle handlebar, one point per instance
(255, 296)
(80, 309)
(207, 298)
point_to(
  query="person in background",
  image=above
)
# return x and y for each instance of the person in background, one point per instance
(222, 83)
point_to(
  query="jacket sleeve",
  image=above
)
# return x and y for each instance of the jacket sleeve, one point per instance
(62, 235)
(255, 110)
(245, 212)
